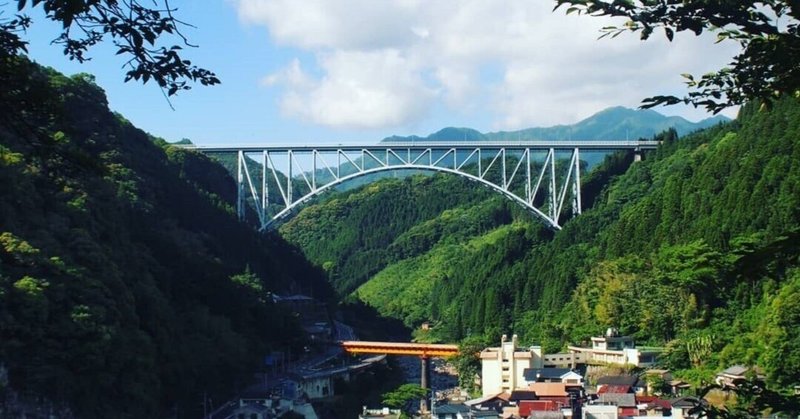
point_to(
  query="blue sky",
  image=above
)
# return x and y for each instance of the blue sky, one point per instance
(360, 70)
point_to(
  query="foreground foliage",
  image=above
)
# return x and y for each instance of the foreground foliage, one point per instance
(768, 32)
(126, 283)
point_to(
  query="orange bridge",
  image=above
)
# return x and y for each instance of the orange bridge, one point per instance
(422, 350)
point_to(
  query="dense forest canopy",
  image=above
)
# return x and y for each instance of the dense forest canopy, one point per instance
(127, 285)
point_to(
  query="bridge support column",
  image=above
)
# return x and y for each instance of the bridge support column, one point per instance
(637, 155)
(425, 378)
(240, 203)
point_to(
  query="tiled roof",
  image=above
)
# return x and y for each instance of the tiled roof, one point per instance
(484, 399)
(531, 374)
(621, 400)
(735, 370)
(452, 409)
(619, 380)
(483, 414)
(609, 388)
(549, 389)
(518, 395)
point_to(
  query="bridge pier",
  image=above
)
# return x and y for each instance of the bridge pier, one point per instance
(425, 378)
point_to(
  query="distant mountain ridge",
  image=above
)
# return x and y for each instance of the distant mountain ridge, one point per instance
(615, 123)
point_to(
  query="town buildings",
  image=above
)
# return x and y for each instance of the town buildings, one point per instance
(612, 348)
(524, 382)
(503, 367)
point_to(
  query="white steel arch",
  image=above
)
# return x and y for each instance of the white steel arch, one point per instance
(522, 177)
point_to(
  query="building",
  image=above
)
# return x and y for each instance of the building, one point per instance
(262, 408)
(730, 376)
(450, 411)
(682, 407)
(493, 402)
(653, 406)
(612, 348)
(555, 392)
(502, 368)
(383, 413)
(613, 384)
(625, 403)
(553, 375)
(597, 411)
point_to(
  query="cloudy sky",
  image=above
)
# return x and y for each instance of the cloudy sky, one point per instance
(361, 70)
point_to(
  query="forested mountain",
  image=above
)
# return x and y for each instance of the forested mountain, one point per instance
(615, 123)
(128, 288)
(696, 248)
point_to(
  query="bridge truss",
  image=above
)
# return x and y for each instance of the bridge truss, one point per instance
(538, 175)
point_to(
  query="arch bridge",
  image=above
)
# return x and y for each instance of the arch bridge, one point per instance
(538, 175)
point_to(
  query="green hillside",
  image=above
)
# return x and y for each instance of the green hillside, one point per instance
(127, 287)
(698, 243)
(355, 234)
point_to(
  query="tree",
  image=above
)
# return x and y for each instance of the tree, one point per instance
(767, 31)
(752, 399)
(134, 29)
(400, 397)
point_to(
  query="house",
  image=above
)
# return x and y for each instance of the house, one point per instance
(553, 375)
(653, 406)
(481, 414)
(450, 411)
(614, 389)
(555, 392)
(543, 415)
(526, 407)
(251, 410)
(679, 387)
(494, 402)
(612, 348)
(625, 402)
(682, 407)
(383, 413)
(730, 376)
(631, 381)
(262, 408)
(502, 367)
(522, 395)
(597, 411)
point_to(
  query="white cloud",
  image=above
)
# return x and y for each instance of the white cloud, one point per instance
(385, 63)
(360, 89)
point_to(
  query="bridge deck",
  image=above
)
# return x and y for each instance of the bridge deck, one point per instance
(437, 145)
(400, 348)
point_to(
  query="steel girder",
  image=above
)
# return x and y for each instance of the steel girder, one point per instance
(538, 176)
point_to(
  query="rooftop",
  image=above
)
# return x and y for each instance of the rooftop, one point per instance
(518, 395)
(619, 380)
(549, 389)
(621, 400)
(531, 374)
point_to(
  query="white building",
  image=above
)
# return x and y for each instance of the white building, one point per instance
(615, 349)
(502, 368)
(597, 411)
